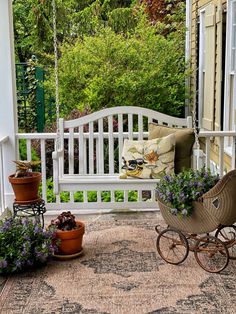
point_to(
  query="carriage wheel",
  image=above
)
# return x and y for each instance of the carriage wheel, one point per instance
(172, 246)
(211, 254)
(227, 234)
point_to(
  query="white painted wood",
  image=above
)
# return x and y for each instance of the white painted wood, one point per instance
(85, 156)
(71, 151)
(112, 196)
(233, 154)
(100, 147)
(2, 191)
(126, 194)
(221, 156)
(81, 149)
(28, 149)
(208, 152)
(152, 114)
(91, 148)
(105, 182)
(111, 145)
(130, 126)
(140, 195)
(97, 159)
(120, 141)
(140, 127)
(43, 168)
(8, 115)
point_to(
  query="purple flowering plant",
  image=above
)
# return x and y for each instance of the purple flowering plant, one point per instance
(180, 190)
(24, 244)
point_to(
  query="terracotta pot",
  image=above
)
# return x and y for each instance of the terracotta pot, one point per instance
(71, 240)
(26, 188)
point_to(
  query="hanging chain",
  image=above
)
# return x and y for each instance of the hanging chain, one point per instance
(54, 19)
(195, 93)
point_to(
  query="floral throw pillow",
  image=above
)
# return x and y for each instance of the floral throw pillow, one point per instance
(148, 159)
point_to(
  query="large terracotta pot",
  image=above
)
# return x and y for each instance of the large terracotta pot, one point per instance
(71, 240)
(26, 188)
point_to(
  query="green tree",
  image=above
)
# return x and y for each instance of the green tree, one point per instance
(142, 68)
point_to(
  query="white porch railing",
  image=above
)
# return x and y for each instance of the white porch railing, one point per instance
(45, 142)
(3, 140)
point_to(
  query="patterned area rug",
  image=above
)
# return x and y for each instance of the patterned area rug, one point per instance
(120, 272)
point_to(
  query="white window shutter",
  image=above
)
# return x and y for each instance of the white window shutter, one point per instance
(209, 82)
(218, 66)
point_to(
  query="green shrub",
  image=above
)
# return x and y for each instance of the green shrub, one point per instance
(140, 68)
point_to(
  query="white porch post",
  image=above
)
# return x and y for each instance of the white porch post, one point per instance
(8, 117)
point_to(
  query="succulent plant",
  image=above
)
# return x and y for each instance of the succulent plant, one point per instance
(24, 168)
(65, 221)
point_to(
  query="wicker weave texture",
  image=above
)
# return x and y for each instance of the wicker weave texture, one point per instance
(199, 222)
(217, 207)
(220, 201)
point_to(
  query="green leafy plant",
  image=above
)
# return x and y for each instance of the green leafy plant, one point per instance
(24, 244)
(179, 191)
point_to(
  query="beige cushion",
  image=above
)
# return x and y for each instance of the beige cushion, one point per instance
(148, 159)
(184, 143)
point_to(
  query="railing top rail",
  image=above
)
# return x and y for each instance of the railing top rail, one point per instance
(4, 139)
(125, 110)
(216, 133)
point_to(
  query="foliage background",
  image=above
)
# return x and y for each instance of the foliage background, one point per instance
(112, 52)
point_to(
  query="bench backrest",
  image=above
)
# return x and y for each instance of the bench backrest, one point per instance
(93, 144)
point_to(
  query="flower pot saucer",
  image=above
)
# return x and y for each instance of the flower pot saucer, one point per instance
(67, 257)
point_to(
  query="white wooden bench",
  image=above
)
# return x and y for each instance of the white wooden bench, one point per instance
(92, 136)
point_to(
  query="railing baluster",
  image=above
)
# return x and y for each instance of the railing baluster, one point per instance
(111, 145)
(120, 141)
(221, 156)
(81, 149)
(85, 195)
(91, 149)
(97, 159)
(140, 196)
(112, 196)
(233, 153)
(126, 196)
(85, 156)
(28, 149)
(58, 198)
(71, 157)
(208, 152)
(100, 147)
(140, 127)
(130, 126)
(43, 168)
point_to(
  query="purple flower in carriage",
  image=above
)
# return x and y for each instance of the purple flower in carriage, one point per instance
(3, 263)
(18, 264)
(30, 263)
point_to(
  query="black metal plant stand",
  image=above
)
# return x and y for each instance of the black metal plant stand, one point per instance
(32, 209)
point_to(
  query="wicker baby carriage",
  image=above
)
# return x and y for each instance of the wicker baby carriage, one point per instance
(214, 213)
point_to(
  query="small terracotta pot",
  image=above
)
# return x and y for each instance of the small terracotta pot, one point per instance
(71, 240)
(26, 188)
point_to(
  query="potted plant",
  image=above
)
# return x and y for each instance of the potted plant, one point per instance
(180, 198)
(24, 244)
(180, 191)
(70, 233)
(25, 182)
